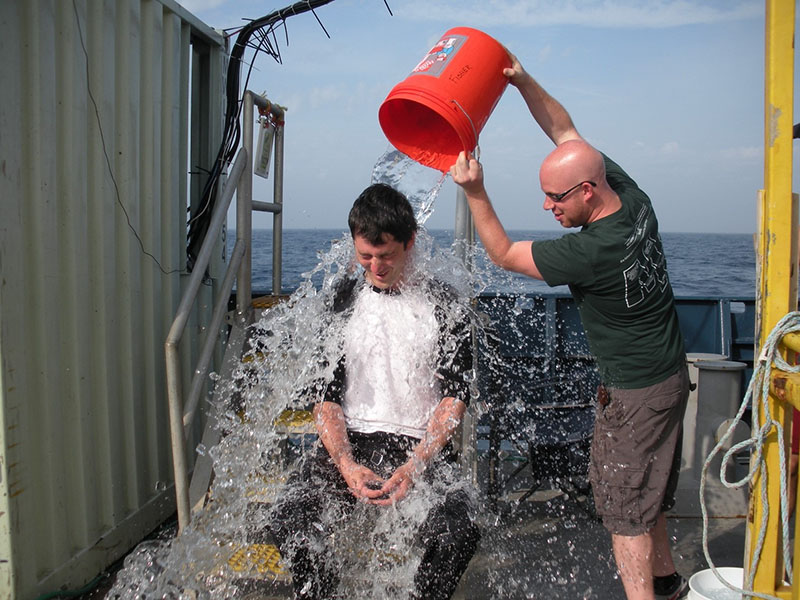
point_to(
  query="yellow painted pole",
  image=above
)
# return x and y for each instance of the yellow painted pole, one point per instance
(777, 295)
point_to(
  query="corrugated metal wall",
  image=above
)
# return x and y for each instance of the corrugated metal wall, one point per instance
(95, 99)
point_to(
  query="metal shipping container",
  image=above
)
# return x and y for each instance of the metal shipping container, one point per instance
(105, 108)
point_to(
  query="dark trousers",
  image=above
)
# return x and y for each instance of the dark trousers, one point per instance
(448, 536)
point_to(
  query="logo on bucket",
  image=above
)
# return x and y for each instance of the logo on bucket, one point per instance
(437, 58)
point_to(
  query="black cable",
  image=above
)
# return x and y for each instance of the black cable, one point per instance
(118, 196)
(264, 26)
(198, 223)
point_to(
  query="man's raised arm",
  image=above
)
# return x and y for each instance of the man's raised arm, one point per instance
(551, 116)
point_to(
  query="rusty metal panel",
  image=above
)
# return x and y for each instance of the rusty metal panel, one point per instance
(95, 105)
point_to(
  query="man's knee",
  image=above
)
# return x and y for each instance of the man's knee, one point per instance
(450, 525)
(446, 557)
(288, 520)
(450, 539)
(465, 539)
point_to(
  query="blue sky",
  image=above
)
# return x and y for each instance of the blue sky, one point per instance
(673, 90)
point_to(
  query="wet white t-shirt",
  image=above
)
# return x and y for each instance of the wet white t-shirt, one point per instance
(390, 346)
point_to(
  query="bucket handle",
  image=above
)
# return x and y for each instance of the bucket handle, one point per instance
(477, 149)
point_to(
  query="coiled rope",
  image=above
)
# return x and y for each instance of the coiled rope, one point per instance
(770, 356)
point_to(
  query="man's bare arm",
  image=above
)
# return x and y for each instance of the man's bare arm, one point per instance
(332, 430)
(441, 426)
(551, 116)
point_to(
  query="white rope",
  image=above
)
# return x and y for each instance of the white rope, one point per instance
(770, 355)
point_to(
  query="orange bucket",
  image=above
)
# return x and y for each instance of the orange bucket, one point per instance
(442, 106)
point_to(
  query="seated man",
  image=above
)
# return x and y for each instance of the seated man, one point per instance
(386, 419)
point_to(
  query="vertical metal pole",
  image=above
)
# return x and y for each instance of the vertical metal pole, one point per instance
(277, 217)
(464, 232)
(463, 237)
(462, 225)
(179, 464)
(778, 224)
(244, 212)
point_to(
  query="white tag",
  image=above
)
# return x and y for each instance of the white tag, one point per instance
(266, 134)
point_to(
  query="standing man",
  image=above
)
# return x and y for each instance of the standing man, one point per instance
(386, 419)
(616, 271)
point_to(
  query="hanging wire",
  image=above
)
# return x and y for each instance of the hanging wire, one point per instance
(320, 22)
(117, 194)
(264, 29)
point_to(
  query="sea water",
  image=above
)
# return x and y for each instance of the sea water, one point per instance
(704, 265)
(291, 355)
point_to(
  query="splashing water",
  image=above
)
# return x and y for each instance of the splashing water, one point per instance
(290, 357)
(418, 183)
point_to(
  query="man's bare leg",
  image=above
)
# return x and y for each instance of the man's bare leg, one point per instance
(634, 555)
(640, 557)
(662, 553)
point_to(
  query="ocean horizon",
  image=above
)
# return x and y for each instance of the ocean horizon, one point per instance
(699, 264)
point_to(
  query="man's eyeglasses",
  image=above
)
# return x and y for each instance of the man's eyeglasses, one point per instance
(562, 195)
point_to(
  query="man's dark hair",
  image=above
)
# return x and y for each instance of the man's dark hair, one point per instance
(382, 209)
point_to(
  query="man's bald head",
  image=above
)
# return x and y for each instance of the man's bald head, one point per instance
(571, 162)
(573, 179)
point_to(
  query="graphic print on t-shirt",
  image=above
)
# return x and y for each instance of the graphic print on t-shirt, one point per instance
(648, 271)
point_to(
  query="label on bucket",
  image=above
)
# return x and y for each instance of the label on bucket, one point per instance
(437, 58)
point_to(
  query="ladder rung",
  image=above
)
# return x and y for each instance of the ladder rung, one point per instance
(263, 488)
(296, 421)
(265, 302)
(264, 558)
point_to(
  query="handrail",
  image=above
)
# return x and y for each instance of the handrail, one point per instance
(239, 270)
(220, 309)
(177, 420)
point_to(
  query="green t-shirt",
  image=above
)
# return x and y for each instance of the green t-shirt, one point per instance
(617, 272)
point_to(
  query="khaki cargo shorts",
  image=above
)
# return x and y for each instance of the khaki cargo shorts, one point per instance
(636, 453)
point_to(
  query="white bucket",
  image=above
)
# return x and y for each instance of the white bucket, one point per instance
(704, 585)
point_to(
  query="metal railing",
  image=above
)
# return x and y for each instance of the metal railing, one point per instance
(240, 179)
